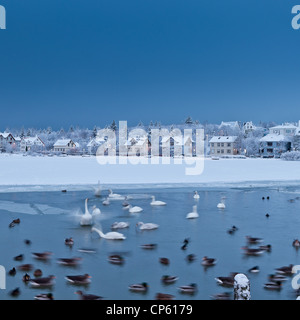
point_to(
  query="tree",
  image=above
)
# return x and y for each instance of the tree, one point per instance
(188, 121)
(113, 126)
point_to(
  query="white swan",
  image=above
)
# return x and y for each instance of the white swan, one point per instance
(196, 195)
(221, 205)
(87, 218)
(120, 225)
(194, 214)
(109, 235)
(96, 211)
(147, 226)
(115, 195)
(106, 202)
(157, 202)
(135, 209)
(98, 190)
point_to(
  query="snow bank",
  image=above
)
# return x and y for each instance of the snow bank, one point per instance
(17, 170)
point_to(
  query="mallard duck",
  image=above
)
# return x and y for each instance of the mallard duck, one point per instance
(208, 261)
(285, 269)
(140, 287)
(44, 296)
(273, 285)
(222, 296)
(79, 279)
(252, 251)
(253, 240)
(254, 269)
(38, 273)
(42, 255)
(69, 261)
(16, 292)
(69, 241)
(116, 259)
(191, 257)
(226, 281)
(267, 247)
(12, 272)
(277, 277)
(26, 277)
(164, 296)
(25, 267)
(43, 282)
(296, 243)
(169, 279)
(87, 296)
(165, 261)
(190, 289)
(20, 257)
(149, 246)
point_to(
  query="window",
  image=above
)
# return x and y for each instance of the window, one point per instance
(270, 150)
(222, 144)
(270, 144)
(228, 144)
(228, 151)
(218, 144)
(222, 151)
(212, 144)
(218, 151)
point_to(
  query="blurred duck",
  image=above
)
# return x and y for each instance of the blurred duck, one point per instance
(296, 243)
(116, 259)
(273, 285)
(42, 282)
(42, 255)
(12, 272)
(226, 281)
(254, 269)
(169, 279)
(208, 261)
(79, 279)
(69, 241)
(69, 261)
(252, 251)
(140, 287)
(164, 296)
(165, 261)
(44, 296)
(16, 292)
(252, 240)
(221, 296)
(189, 289)
(285, 270)
(149, 246)
(20, 257)
(86, 296)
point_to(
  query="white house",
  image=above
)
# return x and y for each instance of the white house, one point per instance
(286, 129)
(138, 145)
(223, 145)
(6, 138)
(94, 144)
(179, 145)
(64, 146)
(273, 145)
(31, 143)
(248, 126)
(231, 124)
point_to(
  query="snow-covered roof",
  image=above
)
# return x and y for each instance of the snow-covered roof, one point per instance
(5, 134)
(95, 142)
(62, 142)
(274, 138)
(233, 124)
(136, 141)
(31, 140)
(284, 126)
(223, 139)
(17, 138)
(179, 140)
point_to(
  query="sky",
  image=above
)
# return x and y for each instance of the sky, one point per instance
(87, 63)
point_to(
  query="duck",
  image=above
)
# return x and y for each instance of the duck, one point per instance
(277, 277)
(164, 296)
(135, 209)
(157, 202)
(273, 285)
(79, 279)
(87, 296)
(208, 261)
(147, 226)
(14, 222)
(296, 243)
(226, 281)
(221, 205)
(120, 225)
(97, 190)
(86, 218)
(69, 261)
(139, 287)
(185, 244)
(27, 242)
(110, 235)
(26, 277)
(221, 296)
(285, 270)
(38, 273)
(189, 289)
(19, 257)
(25, 267)
(267, 247)
(253, 240)
(252, 251)
(194, 214)
(165, 261)
(191, 257)
(232, 230)
(254, 269)
(116, 259)
(43, 282)
(12, 272)
(196, 195)
(149, 246)
(16, 292)
(44, 296)
(69, 241)
(42, 255)
(169, 279)
(106, 202)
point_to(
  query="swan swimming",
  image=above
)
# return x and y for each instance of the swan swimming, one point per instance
(96, 211)
(147, 226)
(106, 202)
(196, 195)
(87, 218)
(135, 209)
(109, 235)
(97, 192)
(194, 214)
(120, 225)
(115, 196)
(157, 202)
(221, 205)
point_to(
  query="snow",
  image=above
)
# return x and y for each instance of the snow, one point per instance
(274, 137)
(223, 139)
(17, 171)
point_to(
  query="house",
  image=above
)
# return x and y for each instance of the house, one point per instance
(273, 145)
(178, 145)
(31, 143)
(223, 145)
(64, 146)
(94, 144)
(286, 129)
(248, 127)
(138, 145)
(5, 139)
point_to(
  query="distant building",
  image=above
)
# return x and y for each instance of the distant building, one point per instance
(179, 145)
(286, 129)
(64, 146)
(223, 145)
(248, 127)
(273, 145)
(5, 139)
(231, 124)
(94, 144)
(31, 143)
(138, 145)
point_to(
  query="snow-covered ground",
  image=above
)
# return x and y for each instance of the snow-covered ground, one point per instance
(17, 170)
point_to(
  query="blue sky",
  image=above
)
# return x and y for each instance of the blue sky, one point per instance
(90, 62)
